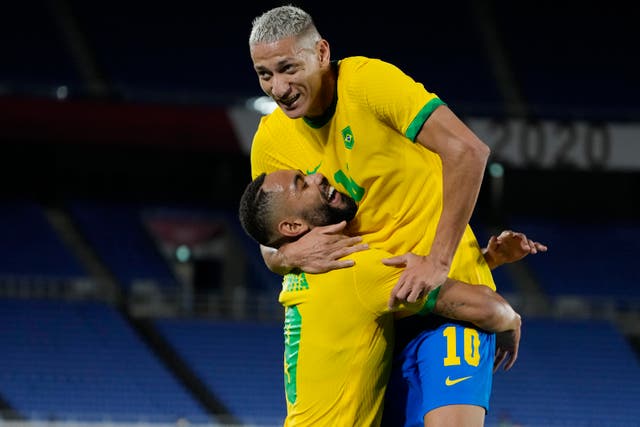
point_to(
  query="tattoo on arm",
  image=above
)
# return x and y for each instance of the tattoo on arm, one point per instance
(449, 309)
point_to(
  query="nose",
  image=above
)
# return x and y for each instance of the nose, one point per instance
(279, 86)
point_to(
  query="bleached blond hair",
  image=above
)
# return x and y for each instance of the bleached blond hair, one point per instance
(283, 22)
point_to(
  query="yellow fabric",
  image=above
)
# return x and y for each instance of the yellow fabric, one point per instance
(338, 343)
(364, 152)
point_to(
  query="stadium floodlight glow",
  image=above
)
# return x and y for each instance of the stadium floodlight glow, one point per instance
(183, 253)
(62, 92)
(262, 104)
(496, 170)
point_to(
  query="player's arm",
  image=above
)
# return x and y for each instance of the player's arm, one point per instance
(475, 304)
(318, 251)
(484, 308)
(464, 157)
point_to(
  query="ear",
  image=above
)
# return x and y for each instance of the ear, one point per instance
(292, 227)
(324, 52)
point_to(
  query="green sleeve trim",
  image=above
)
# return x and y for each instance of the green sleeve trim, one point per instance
(430, 304)
(423, 115)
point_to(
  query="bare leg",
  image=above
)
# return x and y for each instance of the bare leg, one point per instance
(455, 416)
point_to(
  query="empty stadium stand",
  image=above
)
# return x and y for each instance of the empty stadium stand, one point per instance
(590, 260)
(30, 247)
(569, 373)
(117, 233)
(241, 362)
(78, 360)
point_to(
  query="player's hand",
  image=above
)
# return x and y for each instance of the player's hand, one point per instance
(510, 246)
(321, 249)
(507, 344)
(421, 275)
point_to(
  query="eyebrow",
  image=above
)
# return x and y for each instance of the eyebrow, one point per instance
(278, 66)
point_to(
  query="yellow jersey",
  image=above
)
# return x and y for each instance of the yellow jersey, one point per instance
(365, 146)
(339, 342)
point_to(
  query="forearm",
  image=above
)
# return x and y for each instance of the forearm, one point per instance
(464, 158)
(476, 304)
(462, 177)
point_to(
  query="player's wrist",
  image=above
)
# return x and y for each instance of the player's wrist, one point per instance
(491, 260)
(441, 259)
(430, 302)
(280, 262)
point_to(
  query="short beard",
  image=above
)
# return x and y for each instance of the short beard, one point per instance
(327, 214)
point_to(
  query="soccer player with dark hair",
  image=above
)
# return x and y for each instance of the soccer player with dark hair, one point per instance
(338, 327)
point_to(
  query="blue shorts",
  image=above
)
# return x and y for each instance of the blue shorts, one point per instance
(447, 365)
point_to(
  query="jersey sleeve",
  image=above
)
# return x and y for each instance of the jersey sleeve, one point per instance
(393, 96)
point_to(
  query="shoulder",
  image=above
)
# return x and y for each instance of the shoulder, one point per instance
(365, 67)
(373, 79)
(271, 121)
(265, 154)
(270, 130)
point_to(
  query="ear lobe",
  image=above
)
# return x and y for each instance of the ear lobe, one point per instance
(292, 228)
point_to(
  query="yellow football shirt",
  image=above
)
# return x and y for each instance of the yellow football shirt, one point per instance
(338, 343)
(365, 147)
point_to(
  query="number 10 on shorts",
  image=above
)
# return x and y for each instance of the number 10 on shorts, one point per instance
(471, 346)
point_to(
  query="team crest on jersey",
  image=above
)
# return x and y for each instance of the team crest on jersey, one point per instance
(347, 137)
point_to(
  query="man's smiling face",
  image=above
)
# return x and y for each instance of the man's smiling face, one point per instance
(310, 198)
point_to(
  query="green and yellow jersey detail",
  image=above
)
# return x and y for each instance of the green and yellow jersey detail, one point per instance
(338, 340)
(397, 183)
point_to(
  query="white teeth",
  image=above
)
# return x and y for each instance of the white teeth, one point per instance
(289, 101)
(331, 192)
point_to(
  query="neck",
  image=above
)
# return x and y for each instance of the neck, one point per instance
(328, 92)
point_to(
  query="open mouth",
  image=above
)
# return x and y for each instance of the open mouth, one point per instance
(328, 191)
(288, 102)
(331, 194)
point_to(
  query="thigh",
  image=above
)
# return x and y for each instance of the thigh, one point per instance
(455, 416)
(453, 366)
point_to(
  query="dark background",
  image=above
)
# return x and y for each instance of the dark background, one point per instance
(154, 62)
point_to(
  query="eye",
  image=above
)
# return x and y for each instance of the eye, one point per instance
(288, 69)
(264, 75)
(303, 183)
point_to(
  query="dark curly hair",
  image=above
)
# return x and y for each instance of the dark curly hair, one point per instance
(255, 211)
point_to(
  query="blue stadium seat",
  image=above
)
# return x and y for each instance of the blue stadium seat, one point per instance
(569, 373)
(30, 247)
(591, 260)
(241, 362)
(185, 53)
(81, 360)
(117, 233)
